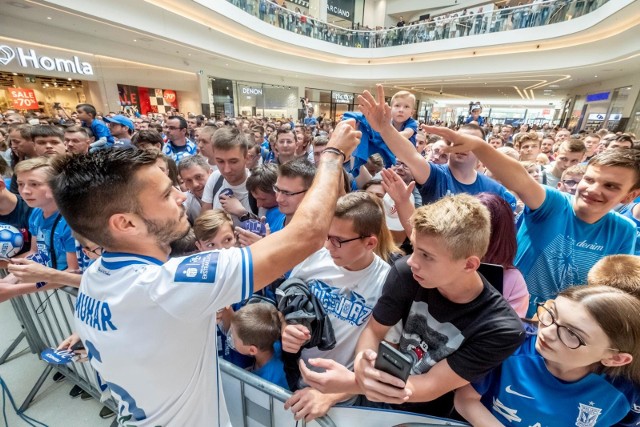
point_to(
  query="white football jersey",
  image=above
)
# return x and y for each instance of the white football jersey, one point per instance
(150, 329)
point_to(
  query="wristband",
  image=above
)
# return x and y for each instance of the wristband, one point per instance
(335, 150)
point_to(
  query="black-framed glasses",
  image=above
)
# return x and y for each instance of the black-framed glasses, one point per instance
(338, 242)
(278, 190)
(97, 251)
(565, 335)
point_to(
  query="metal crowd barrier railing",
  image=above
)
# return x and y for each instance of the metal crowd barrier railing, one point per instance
(47, 319)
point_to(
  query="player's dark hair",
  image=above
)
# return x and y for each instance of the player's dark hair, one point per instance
(90, 188)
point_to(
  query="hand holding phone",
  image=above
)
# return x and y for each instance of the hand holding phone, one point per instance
(393, 361)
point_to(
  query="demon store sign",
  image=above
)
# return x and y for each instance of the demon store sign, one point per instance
(32, 60)
(23, 99)
(147, 100)
(340, 8)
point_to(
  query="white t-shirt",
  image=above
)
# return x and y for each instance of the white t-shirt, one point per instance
(348, 298)
(150, 329)
(239, 192)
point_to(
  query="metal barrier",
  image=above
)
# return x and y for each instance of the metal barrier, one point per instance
(47, 319)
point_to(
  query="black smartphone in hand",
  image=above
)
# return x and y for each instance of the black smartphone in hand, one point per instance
(393, 361)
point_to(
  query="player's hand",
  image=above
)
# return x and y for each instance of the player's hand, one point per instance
(345, 137)
(294, 337)
(377, 112)
(378, 386)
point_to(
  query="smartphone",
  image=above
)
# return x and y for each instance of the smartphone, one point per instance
(393, 361)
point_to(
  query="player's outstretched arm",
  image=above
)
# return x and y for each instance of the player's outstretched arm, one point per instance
(280, 252)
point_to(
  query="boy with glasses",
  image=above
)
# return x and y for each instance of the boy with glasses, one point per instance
(294, 179)
(346, 273)
(570, 178)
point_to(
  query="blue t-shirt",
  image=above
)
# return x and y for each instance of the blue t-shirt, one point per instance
(410, 123)
(100, 129)
(177, 153)
(522, 392)
(442, 183)
(273, 370)
(556, 249)
(275, 218)
(310, 121)
(627, 212)
(40, 228)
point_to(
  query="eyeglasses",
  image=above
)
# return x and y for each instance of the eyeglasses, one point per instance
(565, 335)
(570, 182)
(337, 242)
(97, 251)
(288, 193)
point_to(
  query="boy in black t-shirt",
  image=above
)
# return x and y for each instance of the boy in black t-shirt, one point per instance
(456, 326)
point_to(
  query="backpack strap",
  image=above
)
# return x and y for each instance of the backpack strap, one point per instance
(216, 188)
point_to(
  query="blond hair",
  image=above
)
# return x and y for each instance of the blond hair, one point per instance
(617, 271)
(461, 221)
(404, 94)
(207, 225)
(33, 164)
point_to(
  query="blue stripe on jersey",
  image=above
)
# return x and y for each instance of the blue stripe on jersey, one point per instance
(244, 274)
(116, 260)
(250, 261)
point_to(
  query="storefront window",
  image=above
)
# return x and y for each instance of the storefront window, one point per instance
(634, 119)
(619, 99)
(222, 90)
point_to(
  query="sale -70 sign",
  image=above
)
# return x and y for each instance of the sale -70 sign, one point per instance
(23, 99)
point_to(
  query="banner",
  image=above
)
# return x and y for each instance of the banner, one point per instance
(23, 99)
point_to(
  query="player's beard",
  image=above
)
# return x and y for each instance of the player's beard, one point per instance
(169, 231)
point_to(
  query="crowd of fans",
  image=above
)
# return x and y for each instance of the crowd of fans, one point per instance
(451, 25)
(501, 263)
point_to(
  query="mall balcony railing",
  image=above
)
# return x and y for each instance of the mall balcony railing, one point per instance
(448, 26)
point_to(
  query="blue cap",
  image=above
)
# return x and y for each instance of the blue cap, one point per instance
(121, 120)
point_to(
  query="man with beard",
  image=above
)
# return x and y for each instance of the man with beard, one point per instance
(137, 310)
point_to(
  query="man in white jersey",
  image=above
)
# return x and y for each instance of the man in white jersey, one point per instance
(148, 322)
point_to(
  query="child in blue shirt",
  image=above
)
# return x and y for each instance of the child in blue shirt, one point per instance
(256, 329)
(402, 107)
(576, 368)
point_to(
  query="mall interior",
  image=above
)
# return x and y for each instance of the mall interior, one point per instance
(571, 63)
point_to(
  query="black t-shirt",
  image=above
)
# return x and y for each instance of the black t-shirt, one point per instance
(474, 337)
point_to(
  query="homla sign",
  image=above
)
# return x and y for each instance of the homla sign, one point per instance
(28, 58)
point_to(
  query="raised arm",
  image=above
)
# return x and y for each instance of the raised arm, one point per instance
(280, 252)
(378, 114)
(505, 169)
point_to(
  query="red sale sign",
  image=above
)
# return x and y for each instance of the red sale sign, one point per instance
(23, 99)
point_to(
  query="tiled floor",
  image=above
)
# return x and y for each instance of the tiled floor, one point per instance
(52, 406)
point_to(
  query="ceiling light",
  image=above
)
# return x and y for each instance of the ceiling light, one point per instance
(49, 18)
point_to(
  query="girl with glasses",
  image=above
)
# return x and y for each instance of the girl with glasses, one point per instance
(579, 367)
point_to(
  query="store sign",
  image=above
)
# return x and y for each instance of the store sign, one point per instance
(169, 96)
(600, 96)
(30, 59)
(601, 117)
(342, 8)
(342, 98)
(23, 99)
(252, 91)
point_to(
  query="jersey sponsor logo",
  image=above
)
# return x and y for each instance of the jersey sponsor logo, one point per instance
(200, 268)
(94, 313)
(508, 413)
(509, 390)
(588, 415)
(350, 306)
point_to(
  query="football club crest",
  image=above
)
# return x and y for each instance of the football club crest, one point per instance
(588, 415)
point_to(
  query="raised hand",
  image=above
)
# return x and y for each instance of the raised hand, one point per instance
(377, 112)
